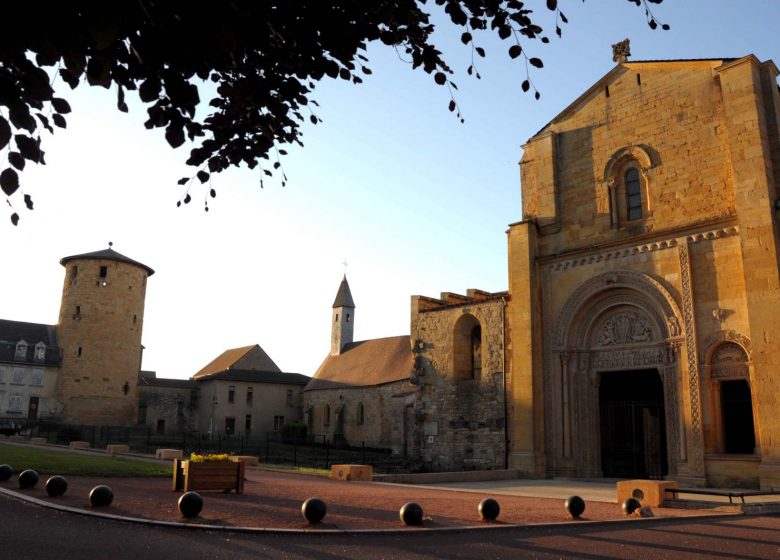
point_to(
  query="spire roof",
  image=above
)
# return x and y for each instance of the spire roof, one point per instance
(108, 255)
(344, 296)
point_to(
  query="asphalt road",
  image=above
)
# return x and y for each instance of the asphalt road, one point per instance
(29, 531)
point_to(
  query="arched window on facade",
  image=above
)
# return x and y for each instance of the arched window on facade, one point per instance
(627, 177)
(633, 187)
(467, 348)
(732, 398)
(326, 416)
(359, 414)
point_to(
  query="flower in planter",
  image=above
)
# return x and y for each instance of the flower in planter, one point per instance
(195, 458)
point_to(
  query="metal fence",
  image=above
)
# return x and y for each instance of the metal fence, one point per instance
(312, 451)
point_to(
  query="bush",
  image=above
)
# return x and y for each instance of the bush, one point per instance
(294, 431)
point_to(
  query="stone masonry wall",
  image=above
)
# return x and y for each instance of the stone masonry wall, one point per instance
(460, 422)
(384, 407)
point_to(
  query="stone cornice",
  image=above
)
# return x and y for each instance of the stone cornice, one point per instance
(649, 247)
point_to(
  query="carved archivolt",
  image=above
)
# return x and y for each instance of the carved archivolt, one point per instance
(638, 153)
(714, 341)
(645, 292)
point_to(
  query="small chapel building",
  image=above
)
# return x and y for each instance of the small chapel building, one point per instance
(435, 397)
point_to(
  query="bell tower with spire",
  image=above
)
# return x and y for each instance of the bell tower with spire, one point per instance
(343, 319)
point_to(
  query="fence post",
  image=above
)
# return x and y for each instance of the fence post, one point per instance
(363, 452)
(266, 447)
(327, 452)
(148, 438)
(295, 452)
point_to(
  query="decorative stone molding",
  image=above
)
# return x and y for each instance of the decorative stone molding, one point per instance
(627, 327)
(712, 342)
(694, 388)
(621, 51)
(637, 152)
(643, 248)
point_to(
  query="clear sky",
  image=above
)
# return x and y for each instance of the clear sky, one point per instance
(416, 202)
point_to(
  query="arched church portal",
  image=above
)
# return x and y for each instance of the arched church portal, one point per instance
(612, 394)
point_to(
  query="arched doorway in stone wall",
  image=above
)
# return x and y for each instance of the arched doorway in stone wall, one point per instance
(611, 383)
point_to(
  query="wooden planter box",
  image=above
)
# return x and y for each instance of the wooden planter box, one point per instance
(211, 475)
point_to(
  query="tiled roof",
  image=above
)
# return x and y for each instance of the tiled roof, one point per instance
(107, 255)
(247, 357)
(366, 363)
(255, 376)
(12, 332)
(344, 296)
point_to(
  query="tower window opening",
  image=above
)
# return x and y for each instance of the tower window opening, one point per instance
(337, 318)
(606, 91)
(78, 352)
(347, 317)
(103, 271)
(638, 79)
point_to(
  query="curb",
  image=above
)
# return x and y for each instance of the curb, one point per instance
(400, 530)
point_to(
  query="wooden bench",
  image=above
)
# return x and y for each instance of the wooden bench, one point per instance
(730, 494)
(79, 445)
(351, 472)
(247, 459)
(38, 440)
(114, 448)
(167, 454)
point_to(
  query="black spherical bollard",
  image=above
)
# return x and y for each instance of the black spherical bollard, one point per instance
(190, 504)
(5, 472)
(488, 509)
(101, 495)
(314, 510)
(411, 514)
(631, 505)
(574, 506)
(28, 478)
(56, 486)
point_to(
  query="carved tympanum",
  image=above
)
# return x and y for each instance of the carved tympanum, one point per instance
(626, 327)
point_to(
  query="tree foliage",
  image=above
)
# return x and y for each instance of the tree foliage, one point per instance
(263, 57)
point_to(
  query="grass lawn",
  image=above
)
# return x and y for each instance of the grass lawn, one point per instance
(52, 461)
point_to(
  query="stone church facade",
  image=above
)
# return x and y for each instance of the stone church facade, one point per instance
(645, 279)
